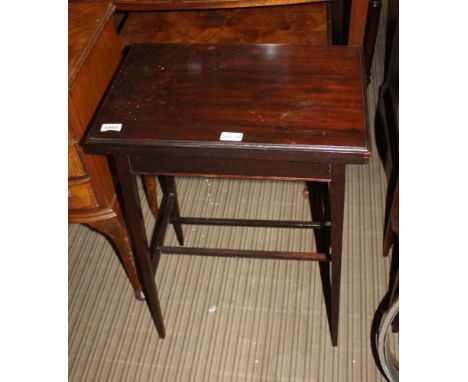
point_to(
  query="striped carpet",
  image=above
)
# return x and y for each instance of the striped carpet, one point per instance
(268, 320)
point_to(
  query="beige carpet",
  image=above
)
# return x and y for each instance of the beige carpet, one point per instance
(270, 323)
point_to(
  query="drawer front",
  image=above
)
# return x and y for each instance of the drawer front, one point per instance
(75, 166)
(81, 195)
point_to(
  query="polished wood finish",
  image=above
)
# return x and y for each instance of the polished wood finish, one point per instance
(137, 229)
(75, 165)
(337, 195)
(284, 255)
(294, 24)
(319, 201)
(116, 231)
(251, 222)
(167, 5)
(349, 16)
(160, 230)
(149, 184)
(169, 188)
(94, 53)
(81, 195)
(357, 22)
(169, 96)
(93, 67)
(300, 107)
(327, 204)
(370, 36)
(192, 163)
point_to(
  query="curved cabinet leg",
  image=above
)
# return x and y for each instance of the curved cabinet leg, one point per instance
(150, 191)
(114, 228)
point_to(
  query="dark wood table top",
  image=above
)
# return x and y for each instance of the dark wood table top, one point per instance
(303, 102)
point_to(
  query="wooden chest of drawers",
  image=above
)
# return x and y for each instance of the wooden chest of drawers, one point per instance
(94, 53)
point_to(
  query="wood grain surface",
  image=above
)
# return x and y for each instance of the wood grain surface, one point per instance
(85, 25)
(94, 52)
(295, 98)
(294, 24)
(148, 5)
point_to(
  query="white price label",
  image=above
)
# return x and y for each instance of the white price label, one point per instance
(226, 136)
(111, 127)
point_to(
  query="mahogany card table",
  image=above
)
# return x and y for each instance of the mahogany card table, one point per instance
(263, 111)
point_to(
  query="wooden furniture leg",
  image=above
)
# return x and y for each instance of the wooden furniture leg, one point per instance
(357, 22)
(169, 209)
(320, 211)
(149, 182)
(370, 35)
(116, 231)
(337, 193)
(169, 187)
(137, 230)
(327, 203)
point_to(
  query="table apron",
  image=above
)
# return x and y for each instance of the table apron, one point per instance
(230, 168)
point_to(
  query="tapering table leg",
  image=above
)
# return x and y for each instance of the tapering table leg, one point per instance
(319, 198)
(136, 227)
(168, 186)
(337, 194)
